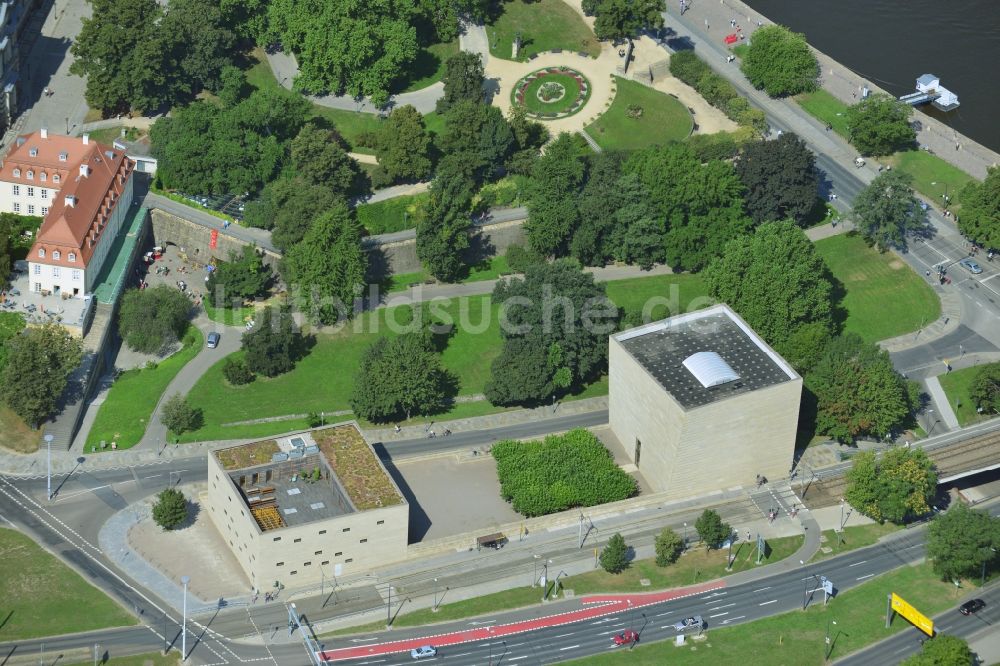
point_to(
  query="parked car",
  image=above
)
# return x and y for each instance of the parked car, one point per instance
(627, 637)
(690, 623)
(424, 651)
(213, 340)
(972, 606)
(971, 266)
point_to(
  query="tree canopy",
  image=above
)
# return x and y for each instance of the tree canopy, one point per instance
(885, 211)
(614, 555)
(880, 125)
(151, 319)
(241, 278)
(898, 486)
(552, 194)
(442, 229)
(779, 62)
(985, 388)
(554, 322)
(318, 157)
(481, 134)
(780, 178)
(274, 344)
(775, 280)
(668, 546)
(623, 19)
(711, 529)
(463, 80)
(959, 542)
(400, 377)
(942, 650)
(179, 415)
(858, 390)
(403, 146)
(39, 363)
(980, 219)
(171, 509)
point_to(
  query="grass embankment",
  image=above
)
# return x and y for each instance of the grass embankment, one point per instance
(855, 536)
(151, 659)
(884, 297)
(125, 413)
(695, 565)
(543, 25)
(932, 176)
(640, 117)
(43, 597)
(956, 386)
(18, 435)
(391, 215)
(827, 108)
(468, 354)
(798, 637)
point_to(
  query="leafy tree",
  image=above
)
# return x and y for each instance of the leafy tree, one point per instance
(274, 344)
(896, 487)
(11, 325)
(403, 146)
(399, 377)
(598, 237)
(985, 388)
(623, 19)
(179, 415)
(202, 43)
(236, 371)
(858, 390)
(614, 555)
(6, 234)
(775, 280)
(880, 124)
(241, 278)
(552, 193)
(39, 363)
(171, 509)
(151, 319)
(519, 258)
(942, 650)
(463, 80)
(980, 218)
(481, 133)
(779, 62)
(319, 158)
(328, 267)
(959, 542)
(806, 345)
(529, 137)
(358, 48)
(886, 210)
(442, 230)
(233, 86)
(557, 305)
(780, 177)
(668, 545)
(290, 206)
(711, 529)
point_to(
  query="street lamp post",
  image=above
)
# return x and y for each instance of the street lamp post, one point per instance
(685, 536)
(184, 618)
(828, 648)
(545, 579)
(48, 444)
(534, 575)
(96, 646)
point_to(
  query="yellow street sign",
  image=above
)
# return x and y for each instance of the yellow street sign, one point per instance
(916, 618)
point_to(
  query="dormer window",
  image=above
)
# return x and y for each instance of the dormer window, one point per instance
(72, 256)
(56, 254)
(55, 178)
(63, 157)
(43, 176)
(17, 173)
(31, 174)
(41, 253)
(33, 152)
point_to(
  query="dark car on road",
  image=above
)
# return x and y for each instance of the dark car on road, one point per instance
(972, 606)
(627, 637)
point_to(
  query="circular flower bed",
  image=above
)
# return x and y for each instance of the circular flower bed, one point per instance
(553, 92)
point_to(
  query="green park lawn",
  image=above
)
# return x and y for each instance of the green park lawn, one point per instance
(855, 536)
(543, 25)
(125, 412)
(108, 135)
(883, 296)
(663, 295)
(696, 565)
(151, 659)
(43, 597)
(932, 176)
(428, 68)
(663, 119)
(956, 386)
(17, 435)
(391, 215)
(490, 269)
(798, 637)
(565, 95)
(826, 108)
(229, 316)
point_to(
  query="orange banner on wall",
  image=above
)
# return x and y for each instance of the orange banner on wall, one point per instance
(215, 239)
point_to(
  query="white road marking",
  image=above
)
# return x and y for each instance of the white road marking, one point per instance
(564, 635)
(82, 492)
(733, 619)
(863, 577)
(721, 607)
(662, 614)
(772, 601)
(762, 589)
(524, 656)
(856, 563)
(569, 647)
(990, 277)
(718, 615)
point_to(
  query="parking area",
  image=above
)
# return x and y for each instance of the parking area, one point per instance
(231, 205)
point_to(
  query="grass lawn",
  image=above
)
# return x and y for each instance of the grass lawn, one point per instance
(229, 316)
(956, 385)
(695, 564)
(543, 25)
(44, 597)
(797, 637)
(18, 435)
(551, 93)
(663, 295)
(151, 659)
(111, 134)
(490, 269)
(884, 297)
(855, 536)
(932, 176)
(428, 68)
(826, 108)
(125, 412)
(391, 215)
(663, 119)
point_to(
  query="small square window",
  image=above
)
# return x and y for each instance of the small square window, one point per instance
(43, 177)
(17, 190)
(31, 175)
(346, 529)
(349, 559)
(56, 254)
(364, 541)
(324, 563)
(381, 522)
(72, 257)
(293, 572)
(31, 191)
(31, 209)
(280, 564)
(297, 540)
(276, 539)
(318, 552)
(45, 211)
(17, 207)
(307, 564)
(338, 554)
(322, 531)
(17, 173)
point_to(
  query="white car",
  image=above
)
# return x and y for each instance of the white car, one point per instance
(690, 623)
(424, 651)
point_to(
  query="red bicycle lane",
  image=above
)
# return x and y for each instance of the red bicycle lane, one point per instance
(600, 605)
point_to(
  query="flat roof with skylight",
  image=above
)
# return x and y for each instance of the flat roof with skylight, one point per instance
(705, 356)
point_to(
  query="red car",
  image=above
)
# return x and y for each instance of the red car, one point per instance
(627, 637)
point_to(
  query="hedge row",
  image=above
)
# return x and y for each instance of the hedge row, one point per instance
(716, 90)
(559, 473)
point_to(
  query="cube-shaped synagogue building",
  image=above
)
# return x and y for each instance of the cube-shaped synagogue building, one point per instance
(701, 403)
(306, 506)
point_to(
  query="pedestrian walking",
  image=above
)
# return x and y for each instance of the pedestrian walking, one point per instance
(398, 428)
(748, 535)
(706, 24)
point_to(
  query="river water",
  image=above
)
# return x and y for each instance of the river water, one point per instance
(892, 42)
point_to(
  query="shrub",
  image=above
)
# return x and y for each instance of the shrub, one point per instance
(519, 258)
(171, 509)
(716, 90)
(179, 416)
(711, 529)
(236, 372)
(668, 545)
(535, 484)
(614, 557)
